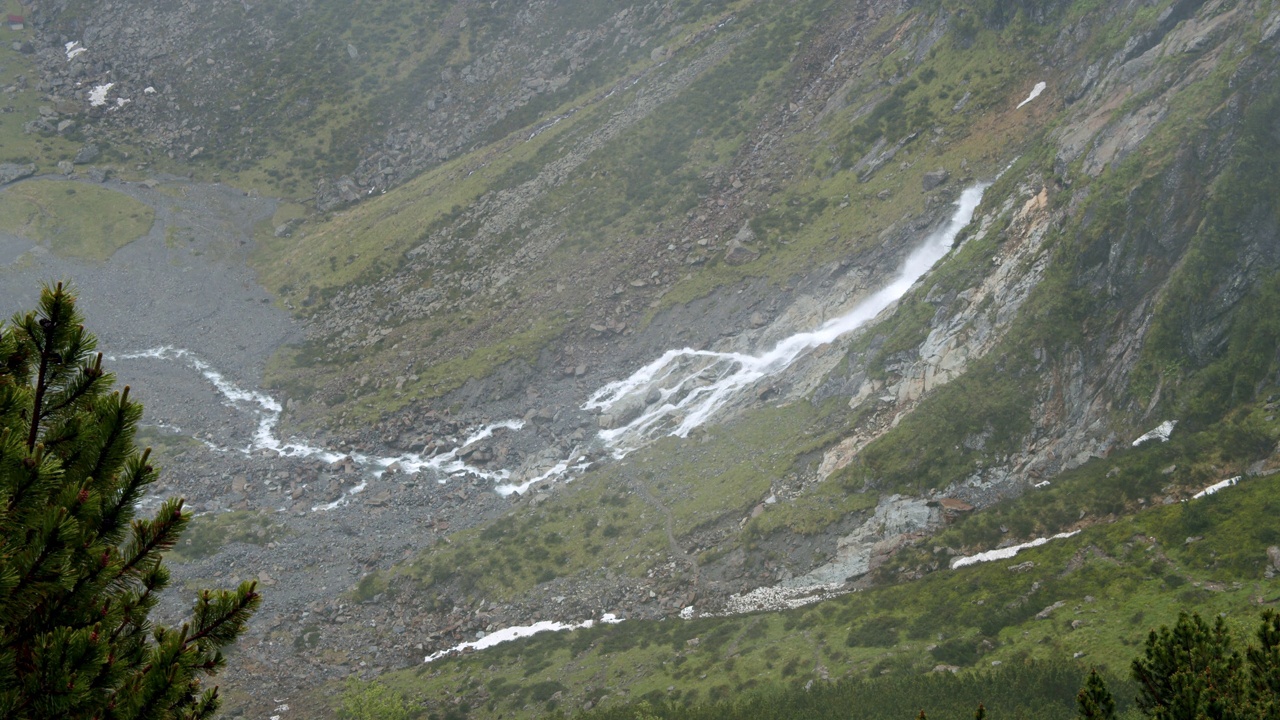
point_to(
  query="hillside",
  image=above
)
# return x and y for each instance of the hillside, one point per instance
(742, 321)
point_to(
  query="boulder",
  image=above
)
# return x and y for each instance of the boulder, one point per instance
(934, 179)
(739, 254)
(86, 154)
(10, 172)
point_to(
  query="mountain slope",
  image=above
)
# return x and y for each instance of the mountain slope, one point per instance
(616, 211)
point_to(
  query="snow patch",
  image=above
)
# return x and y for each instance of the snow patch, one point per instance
(1006, 553)
(1229, 482)
(781, 598)
(98, 95)
(74, 49)
(1161, 433)
(520, 631)
(1035, 93)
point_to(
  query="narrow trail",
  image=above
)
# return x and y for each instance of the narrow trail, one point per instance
(676, 550)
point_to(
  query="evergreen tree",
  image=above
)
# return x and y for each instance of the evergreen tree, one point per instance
(1095, 700)
(1264, 668)
(78, 573)
(1190, 671)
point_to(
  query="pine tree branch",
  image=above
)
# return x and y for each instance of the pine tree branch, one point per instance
(117, 428)
(245, 603)
(92, 375)
(49, 326)
(164, 527)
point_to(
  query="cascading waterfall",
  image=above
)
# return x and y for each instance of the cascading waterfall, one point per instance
(693, 384)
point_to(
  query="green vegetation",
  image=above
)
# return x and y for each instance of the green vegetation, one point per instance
(76, 220)
(618, 517)
(1113, 581)
(1033, 691)
(207, 534)
(80, 573)
(372, 701)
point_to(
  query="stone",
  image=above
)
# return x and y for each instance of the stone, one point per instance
(1273, 554)
(739, 254)
(757, 320)
(10, 172)
(934, 179)
(1045, 613)
(86, 154)
(66, 168)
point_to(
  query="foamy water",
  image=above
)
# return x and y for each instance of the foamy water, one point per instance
(268, 411)
(694, 384)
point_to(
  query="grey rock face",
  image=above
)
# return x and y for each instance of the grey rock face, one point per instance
(934, 179)
(10, 172)
(87, 154)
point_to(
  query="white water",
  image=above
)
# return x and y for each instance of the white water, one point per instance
(268, 410)
(694, 384)
(1035, 93)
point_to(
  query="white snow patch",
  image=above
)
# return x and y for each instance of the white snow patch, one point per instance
(1035, 93)
(1216, 487)
(148, 90)
(1161, 433)
(686, 613)
(121, 102)
(98, 95)
(781, 598)
(1041, 484)
(1006, 553)
(520, 631)
(74, 49)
